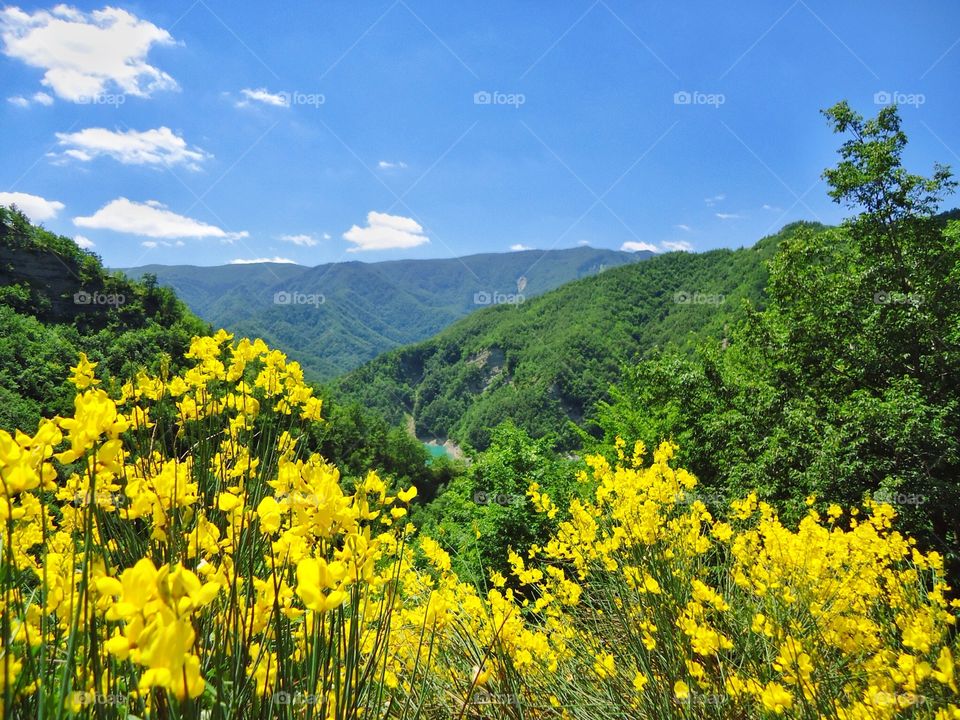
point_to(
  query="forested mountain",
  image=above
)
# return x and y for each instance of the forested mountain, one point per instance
(547, 361)
(56, 301)
(334, 317)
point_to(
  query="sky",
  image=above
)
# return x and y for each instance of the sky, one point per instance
(207, 132)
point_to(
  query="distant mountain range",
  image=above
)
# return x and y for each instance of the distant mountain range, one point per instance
(335, 317)
(546, 362)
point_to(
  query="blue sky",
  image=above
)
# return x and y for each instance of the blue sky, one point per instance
(211, 131)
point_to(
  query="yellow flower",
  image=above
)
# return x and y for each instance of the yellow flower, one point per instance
(319, 582)
(776, 698)
(681, 690)
(269, 513)
(83, 376)
(408, 494)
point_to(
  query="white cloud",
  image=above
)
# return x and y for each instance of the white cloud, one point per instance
(151, 219)
(262, 95)
(633, 246)
(160, 146)
(583, 242)
(326, 236)
(729, 216)
(83, 242)
(711, 201)
(772, 208)
(254, 261)
(681, 245)
(39, 98)
(301, 240)
(84, 55)
(681, 226)
(150, 244)
(387, 165)
(519, 246)
(385, 232)
(33, 206)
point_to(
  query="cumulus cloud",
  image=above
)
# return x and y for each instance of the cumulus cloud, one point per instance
(387, 165)
(519, 246)
(85, 55)
(264, 96)
(633, 246)
(303, 240)
(83, 242)
(160, 146)
(674, 245)
(34, 207)
(38, 98)
(254, 261)
(385, 232)
(151, 219)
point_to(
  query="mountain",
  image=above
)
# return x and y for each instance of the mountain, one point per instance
(547, 361)
(57, 301)
(334, 317)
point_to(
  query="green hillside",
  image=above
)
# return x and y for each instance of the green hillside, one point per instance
(56, 301)
(549, 360)
(338, 316)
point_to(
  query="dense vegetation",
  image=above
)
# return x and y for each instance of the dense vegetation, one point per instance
(548, 361)
(172, 550)
(57, 300)
(846, 382)
(338, 316)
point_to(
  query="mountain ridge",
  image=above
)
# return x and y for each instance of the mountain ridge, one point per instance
(335, 316)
